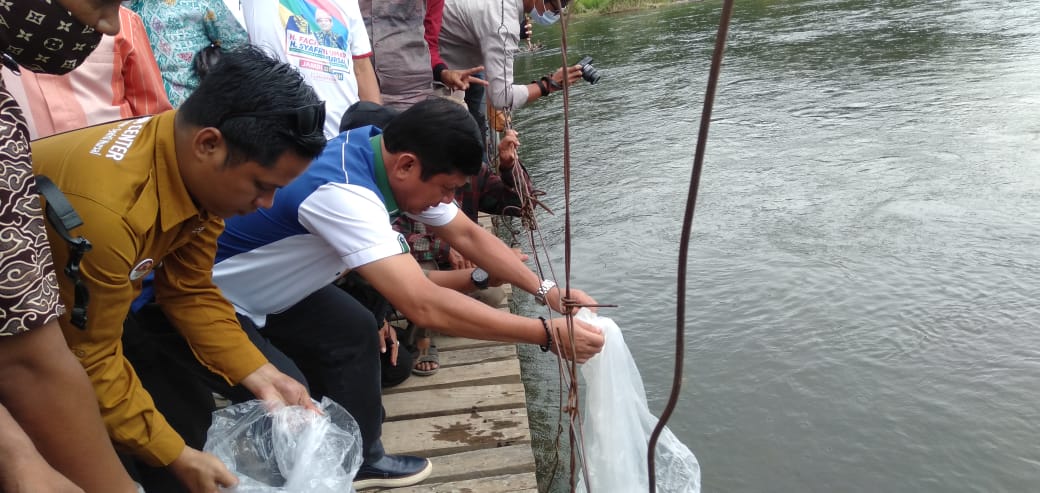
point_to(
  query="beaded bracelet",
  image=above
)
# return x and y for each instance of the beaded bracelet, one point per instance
(548, 336)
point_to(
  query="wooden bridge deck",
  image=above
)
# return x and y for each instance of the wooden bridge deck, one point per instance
(470, 419)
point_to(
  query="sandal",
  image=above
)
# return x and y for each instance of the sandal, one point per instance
(426, 355)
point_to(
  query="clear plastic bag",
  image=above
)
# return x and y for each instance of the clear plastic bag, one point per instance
(288, 450)
(617, 425)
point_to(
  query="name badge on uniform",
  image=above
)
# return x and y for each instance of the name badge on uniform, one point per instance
(141, 269)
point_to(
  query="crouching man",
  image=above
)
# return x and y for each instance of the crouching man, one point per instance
(277, 266)
(151, 192)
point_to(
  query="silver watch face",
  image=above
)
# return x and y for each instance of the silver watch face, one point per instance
(479, 277)
(544, 289)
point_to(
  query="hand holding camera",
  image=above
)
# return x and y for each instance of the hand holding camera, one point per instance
(588, 72)
(554, 82)
(583, 69)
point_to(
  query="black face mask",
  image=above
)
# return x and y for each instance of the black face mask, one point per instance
(44, 37)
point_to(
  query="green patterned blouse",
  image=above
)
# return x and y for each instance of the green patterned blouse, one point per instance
(178, 29)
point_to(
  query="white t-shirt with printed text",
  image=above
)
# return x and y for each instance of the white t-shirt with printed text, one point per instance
(321, 38)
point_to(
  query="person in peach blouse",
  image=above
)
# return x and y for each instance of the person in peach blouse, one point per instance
(120, 79)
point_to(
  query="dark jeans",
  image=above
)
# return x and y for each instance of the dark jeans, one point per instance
(475, 102)
(328, 340)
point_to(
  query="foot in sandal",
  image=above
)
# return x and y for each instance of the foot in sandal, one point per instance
(426, 361)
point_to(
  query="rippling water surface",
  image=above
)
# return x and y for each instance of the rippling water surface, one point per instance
(863, 310)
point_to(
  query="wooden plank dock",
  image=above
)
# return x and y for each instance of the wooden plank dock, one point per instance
(470, 419)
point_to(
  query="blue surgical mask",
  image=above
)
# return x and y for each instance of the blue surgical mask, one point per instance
(547, 18)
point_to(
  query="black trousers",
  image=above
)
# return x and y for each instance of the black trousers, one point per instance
(181, 387)
(334, 340)
(328, 341)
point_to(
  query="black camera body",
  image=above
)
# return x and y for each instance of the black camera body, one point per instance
(588, 72)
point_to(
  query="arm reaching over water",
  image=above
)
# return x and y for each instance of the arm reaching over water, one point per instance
(494, 256)
(400, 279)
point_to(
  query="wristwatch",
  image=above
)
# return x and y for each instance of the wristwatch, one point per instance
(479, 277)
(543, 290)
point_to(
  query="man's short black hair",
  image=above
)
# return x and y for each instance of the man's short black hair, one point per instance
(441, 133)
(247, 80)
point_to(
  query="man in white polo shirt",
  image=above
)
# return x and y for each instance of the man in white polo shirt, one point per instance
(277, 266)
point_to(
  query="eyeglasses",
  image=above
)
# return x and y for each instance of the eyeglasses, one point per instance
(309, 120)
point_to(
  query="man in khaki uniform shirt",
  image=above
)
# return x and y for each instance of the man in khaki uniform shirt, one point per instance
(152, 193)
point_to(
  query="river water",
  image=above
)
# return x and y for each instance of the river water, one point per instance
(863, 310)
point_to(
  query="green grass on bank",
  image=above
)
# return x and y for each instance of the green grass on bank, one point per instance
(611, 6)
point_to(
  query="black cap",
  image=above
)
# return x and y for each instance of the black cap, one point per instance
(364, 113)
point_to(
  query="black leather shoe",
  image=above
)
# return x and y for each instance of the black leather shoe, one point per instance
(393, 471)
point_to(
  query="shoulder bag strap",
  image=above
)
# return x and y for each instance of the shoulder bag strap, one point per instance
(63, 217)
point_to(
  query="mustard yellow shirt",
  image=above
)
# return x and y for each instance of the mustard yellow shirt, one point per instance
(123, 180)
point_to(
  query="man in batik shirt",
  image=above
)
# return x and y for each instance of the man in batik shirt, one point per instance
(51, 434)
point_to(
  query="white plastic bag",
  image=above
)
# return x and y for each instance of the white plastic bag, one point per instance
(617, 425)
(288, 450)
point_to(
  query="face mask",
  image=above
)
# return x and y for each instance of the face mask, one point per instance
(545, 19)
(58, 41)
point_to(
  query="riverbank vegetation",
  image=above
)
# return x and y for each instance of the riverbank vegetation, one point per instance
(611, 6)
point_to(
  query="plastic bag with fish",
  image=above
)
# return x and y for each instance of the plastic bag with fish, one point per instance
(287, 450)
(617, 425)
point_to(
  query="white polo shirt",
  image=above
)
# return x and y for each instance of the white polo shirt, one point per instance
(334, 217)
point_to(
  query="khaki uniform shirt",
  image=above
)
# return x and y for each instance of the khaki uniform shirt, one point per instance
(123, 180)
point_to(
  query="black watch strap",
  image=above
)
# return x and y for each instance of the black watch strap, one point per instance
(479, 277)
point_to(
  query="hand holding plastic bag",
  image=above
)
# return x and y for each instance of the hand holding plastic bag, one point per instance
(618, 425)
(288, 450)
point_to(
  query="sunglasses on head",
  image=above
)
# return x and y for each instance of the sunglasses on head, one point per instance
(309, 120)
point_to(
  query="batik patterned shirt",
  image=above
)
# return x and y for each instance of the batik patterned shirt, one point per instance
(43, 37)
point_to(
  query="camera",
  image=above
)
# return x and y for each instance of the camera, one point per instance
(588, 72)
